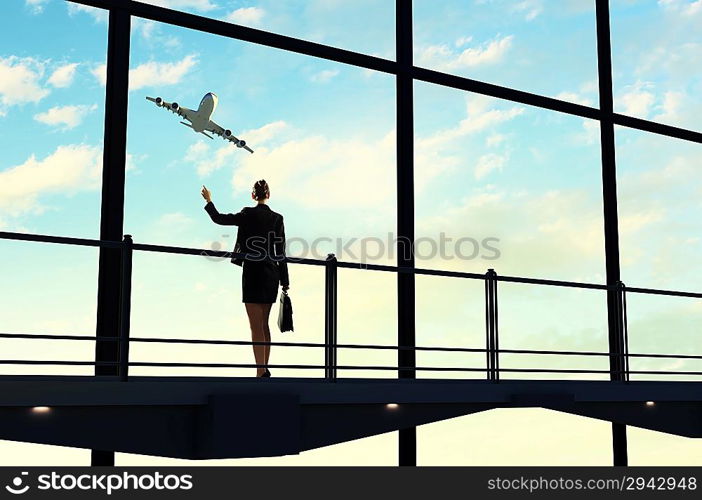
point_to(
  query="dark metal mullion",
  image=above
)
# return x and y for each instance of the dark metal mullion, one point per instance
(407, 438)
(657, 128)
(246, 34)
(112, 208)
(290, 44)
(611, 224)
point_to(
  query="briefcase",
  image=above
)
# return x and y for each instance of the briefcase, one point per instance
(285, 313)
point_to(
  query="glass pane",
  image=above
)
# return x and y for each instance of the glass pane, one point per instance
(516, 437)
(326, 146)
(658, 184)
(16, 454)
(513, 44)
(367, 315)
(506, 186)
(193, 297)
(51, 110)
(450, 312)
(366, 26)
(656, 53)
(378, 450)
(658, 188)
(664, 325)
(545, 318)
(47, 289)
(647, 448)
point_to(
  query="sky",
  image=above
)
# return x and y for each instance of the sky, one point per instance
(526, 179)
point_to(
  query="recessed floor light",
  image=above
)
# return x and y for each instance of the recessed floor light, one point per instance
(650, 403)
(392, 406)
(41, 409)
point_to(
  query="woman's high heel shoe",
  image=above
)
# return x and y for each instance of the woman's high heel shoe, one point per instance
(266, 373)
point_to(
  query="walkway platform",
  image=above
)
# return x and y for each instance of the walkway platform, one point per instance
(204, 417)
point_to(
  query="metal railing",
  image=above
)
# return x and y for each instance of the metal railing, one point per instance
(331, 346)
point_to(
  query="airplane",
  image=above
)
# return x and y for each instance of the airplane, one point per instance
(200, 119)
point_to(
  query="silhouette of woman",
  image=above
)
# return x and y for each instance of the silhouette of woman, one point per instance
(261, 235)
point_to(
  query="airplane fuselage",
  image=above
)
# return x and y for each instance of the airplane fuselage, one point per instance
(204, 112)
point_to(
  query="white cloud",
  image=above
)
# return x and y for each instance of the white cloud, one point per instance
(63, 76)
(251, 16)
(100, 72)
(546, 233)
(487, 163)
(306, 166)
(19, 81)
(151, 32)
(530, 8)
(100, 15)
(480, 117)
(431, 152)
(463, 41)
(199, 5)
(173, 220)
(495, 140)
(302, 164)
(315, 169)
(575, 98)
(160, 74)
(152, 73)
(445, 57)
(67, 170)
(36, 6)
(324, 76)
(67, 116)
(635, 100)
(684, 7)
(207, 162)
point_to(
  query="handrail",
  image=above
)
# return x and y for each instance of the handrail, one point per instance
(331, 345)
(380, 347)
(349, 265)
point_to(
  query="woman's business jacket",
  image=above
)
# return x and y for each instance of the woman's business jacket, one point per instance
(261, 235)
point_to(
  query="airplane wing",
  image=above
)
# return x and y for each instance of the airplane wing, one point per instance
(227, 134)
(173, 107)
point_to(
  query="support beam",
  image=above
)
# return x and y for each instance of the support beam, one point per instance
(407, 445)
(112, 210)
(611, 224)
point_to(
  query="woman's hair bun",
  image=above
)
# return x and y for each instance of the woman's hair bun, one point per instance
(260, 190)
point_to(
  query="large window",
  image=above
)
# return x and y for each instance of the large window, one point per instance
(512, 160)
(656, 50)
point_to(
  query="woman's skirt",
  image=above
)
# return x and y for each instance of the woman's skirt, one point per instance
(259, 282)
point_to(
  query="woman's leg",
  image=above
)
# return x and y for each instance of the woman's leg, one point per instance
(266, 330)
(255, 313)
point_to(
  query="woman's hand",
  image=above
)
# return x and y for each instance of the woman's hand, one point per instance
(206, 194)
(285, 288)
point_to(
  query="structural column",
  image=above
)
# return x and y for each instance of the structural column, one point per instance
(112, 210)
(405, 213)
(611, 224)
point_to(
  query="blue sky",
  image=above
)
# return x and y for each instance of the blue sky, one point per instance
(324, 139)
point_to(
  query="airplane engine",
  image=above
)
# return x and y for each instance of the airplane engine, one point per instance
(241, 144)
(227, 133)
(159, 101)
(174, 106)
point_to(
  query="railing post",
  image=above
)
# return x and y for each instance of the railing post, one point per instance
(330, 339)
(491, 327)
(125, 299)
(623, 334)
